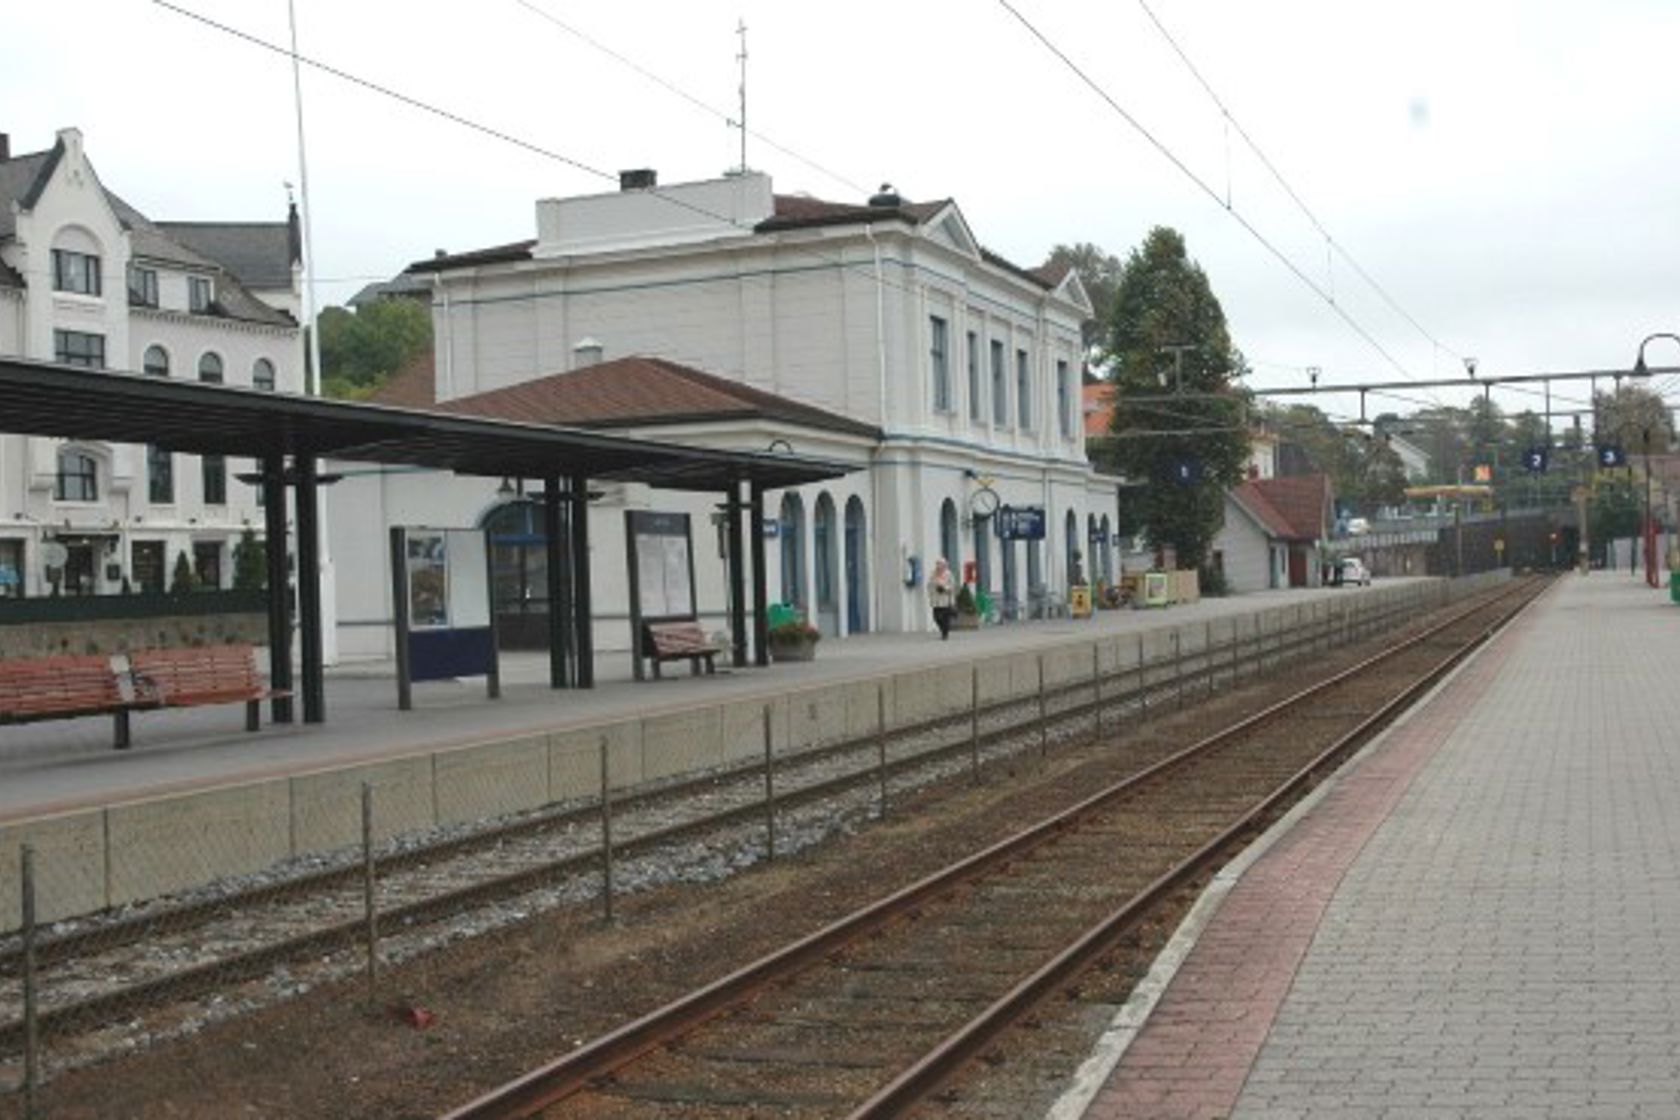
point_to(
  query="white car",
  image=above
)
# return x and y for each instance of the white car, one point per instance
(1353, 570)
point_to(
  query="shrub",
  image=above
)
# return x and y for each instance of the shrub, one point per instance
(796, 632)
(183, 580)
(965, 601)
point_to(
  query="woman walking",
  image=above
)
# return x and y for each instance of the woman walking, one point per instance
(942, 595)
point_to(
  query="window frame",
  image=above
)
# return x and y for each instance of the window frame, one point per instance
(939, 358)
(201, 294)
(77, 273)
(146, 366)
(160, 476)
(974, 413)
(142, 286)
(258, 382)
(1000, 385)
(90, 476)
(1023, 390)
(221, 368)
(213, 476)
(93, 358)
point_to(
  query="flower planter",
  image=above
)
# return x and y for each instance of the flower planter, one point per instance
(965, 621)
(793, 651)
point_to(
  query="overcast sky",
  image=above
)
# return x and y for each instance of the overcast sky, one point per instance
(1508, 171)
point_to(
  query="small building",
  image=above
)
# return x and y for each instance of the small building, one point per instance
(88, 280)
(1274, 531)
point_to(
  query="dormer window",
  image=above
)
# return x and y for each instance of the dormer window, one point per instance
(142, 286)
(199, 294)
(75, 272)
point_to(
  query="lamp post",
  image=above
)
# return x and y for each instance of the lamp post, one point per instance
(1640, 369)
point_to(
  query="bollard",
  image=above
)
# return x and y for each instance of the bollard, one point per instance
(974, 719)
(606, 833)
(881, 740)
(769, 787)
(370, 911)
(31, 1026)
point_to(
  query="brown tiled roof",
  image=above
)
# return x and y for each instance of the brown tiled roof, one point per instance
(1292, 508)
(1098, 403)
(626, 392)
(412, 386)
(796, 211)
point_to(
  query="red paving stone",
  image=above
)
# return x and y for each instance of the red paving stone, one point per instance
(1194, 1053)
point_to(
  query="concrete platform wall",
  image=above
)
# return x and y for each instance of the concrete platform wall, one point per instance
(90, 860)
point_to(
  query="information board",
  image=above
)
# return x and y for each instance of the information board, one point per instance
(1020, 523)
(443, 611)
(660, 555)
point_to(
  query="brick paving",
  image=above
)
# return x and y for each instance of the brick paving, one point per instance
(1478, 921)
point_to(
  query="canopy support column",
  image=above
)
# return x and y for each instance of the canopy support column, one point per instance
(559, 618)
(309, 588)
(584, 619)
(279, 585)
(761, 581)
(737, 577)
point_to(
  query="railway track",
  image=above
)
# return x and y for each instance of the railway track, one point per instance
(872, 1013)
(95, 971)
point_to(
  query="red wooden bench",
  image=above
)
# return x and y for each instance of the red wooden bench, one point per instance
(41, 688)
(185, 678)
(678, 640)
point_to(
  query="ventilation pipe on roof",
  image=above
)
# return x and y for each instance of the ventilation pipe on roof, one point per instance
(886, 197)
(639, 179)
(586, 353)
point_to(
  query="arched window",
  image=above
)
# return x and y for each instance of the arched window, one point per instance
(824, 538)
(78, 477)
(857, 567)
(950, 546)
(156, 362)
(1075, 574)
(793, 549)
(262, 375)
(210, 368)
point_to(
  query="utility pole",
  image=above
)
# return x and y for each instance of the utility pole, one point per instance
(1178, 363)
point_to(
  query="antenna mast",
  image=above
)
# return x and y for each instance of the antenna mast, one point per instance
(741, 30)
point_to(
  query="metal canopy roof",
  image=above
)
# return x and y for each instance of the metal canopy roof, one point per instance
(45, 399)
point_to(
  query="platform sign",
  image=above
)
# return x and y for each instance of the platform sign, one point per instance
(1535, 460)
(1186, 471)
(660, 557)
(444, 613)
(1020, 523)
(1483, 472)
(1611, 455)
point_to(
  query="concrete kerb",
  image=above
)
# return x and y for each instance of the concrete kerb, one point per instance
(124, 852)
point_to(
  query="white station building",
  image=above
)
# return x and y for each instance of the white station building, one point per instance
(87, 280)
(722, 314)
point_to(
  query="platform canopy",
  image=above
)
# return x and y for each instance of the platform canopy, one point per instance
(45, 399)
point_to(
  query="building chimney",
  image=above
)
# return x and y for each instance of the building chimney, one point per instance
(5, 147)
(640, 179)
(586, 353)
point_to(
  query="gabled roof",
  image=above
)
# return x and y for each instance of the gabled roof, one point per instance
(258, 254)
(22, 180)
(625, 392)
(1296, 508)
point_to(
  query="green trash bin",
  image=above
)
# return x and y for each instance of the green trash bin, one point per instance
(1674, 587)
(781, 614)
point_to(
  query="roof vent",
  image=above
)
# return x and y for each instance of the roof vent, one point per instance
(587, 353)
(639, 179)
(886, 197)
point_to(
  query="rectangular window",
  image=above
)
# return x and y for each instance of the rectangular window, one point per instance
(1000, 386)
(160, 476)
(1023, 389)
(78, 348)
(1064, 413)
(940, 359)
(142, 286)
(215, 480)
(75, 272)
(207, 564)
(199, 293)
(146, 567)
(974, 377)
(78, 477)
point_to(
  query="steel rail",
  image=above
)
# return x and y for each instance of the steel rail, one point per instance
(575, 1071)
(944, 1060)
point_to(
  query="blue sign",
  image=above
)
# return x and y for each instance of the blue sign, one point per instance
(1611, 455)
(1020, 523)
(1534, 459)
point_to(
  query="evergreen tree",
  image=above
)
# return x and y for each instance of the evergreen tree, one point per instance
(183, 580)
(1167, 336)
(250, 567)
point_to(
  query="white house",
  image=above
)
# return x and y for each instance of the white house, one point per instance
(888, 315)
(1273, 533)
(86, 279)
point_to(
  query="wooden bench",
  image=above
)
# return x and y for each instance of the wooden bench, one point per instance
(186, 678)
(42, 688)
(678, 640)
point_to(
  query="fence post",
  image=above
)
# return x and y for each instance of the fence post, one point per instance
(1236, 648)
(1096, 683)
(1043, 719)
(1143, 684)
(1208, 662)
(31, 1031)
(1178, 668)
(370, 911)
(881, 739)
(606, 832)
(974, 718)
(769, 785)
